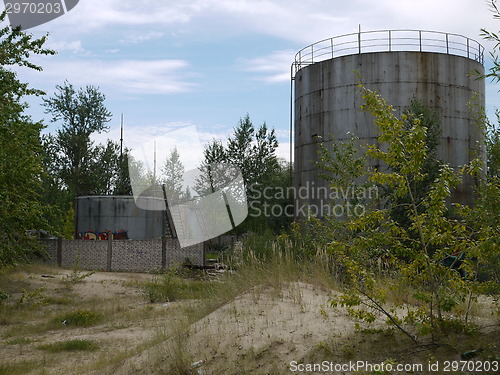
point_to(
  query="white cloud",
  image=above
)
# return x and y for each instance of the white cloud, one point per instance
(99, 23)
(138, 38)
(74, 46)
(273, 68)
(92, 14)
(295, 20)
(189, 139)
(299, 21)
(185, 139)
(283, 151)
(128, 76)
(141, 139)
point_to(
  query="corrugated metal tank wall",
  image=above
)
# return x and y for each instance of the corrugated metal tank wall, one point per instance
(327, 101)
(114, 213)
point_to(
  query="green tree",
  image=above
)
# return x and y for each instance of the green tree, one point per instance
(272, 209)
(20, 148)
(484, 216)
(172, 177)
(492, 131)
(214, 156)
(81, 166)
(105, 168)
(492, 141)
(53, 193)
(253, 152)
(123, 184)
(417, 251)
(494, 72)
(342, 165)
(417, 113)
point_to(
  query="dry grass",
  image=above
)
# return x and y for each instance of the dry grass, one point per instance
(252, 321)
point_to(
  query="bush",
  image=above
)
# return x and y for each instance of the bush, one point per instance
(413, 245)
(70, 345)
(3, 295)
(167, 289)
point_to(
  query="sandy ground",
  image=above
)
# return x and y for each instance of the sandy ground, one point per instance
(259, 332)
(269, 332)
(263, 331)
(120, 292)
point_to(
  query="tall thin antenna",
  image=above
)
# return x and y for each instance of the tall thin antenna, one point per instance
(121, 171)
(121, 140)
(154, 164)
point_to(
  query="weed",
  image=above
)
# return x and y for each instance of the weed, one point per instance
(455, 325)
(32, 298)
(167, 289)
(3, 295)
(168, 351)
(80, 318)
(77, 276)
(19, 341)
(19, 368)
(51, 300)
(326, 347)
(323, 312)
(171, 287)
(69, 345)
(180, 361)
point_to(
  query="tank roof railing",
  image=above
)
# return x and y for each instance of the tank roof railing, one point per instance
(388, 41)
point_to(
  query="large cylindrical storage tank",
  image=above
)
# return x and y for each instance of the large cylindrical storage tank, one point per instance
(119, 213)
(437, 69)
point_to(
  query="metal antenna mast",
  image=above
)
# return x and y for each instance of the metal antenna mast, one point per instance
(121, 140)
(154, 165)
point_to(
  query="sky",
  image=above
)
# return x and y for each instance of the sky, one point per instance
(184, 72)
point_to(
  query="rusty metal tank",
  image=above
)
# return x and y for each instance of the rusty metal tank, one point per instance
(433, 67)
(119, 214)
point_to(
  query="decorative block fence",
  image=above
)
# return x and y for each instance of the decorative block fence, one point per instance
(122, 255)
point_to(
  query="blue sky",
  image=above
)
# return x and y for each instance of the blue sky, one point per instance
(200, 65)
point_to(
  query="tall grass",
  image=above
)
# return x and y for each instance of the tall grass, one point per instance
(262, 265)
(69, 346)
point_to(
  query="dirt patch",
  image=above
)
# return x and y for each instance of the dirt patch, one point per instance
(251, 329)
(39, 300)
(265, 330)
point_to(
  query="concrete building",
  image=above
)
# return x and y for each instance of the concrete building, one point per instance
(434, 68)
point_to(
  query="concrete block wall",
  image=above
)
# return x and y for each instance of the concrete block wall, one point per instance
(90, 255)
(125, 255)
(136, 255)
